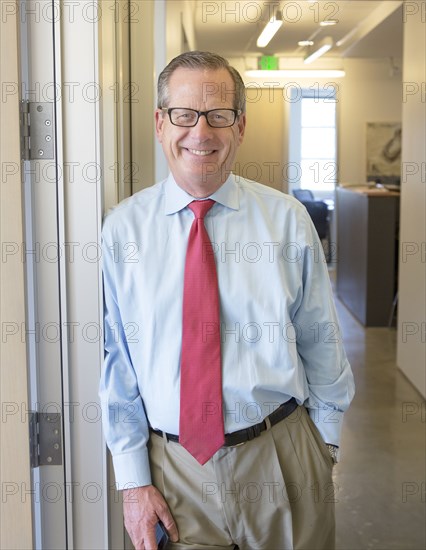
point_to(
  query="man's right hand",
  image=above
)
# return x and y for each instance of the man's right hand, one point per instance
(143, 507)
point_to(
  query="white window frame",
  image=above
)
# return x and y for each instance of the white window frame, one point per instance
(326, 92)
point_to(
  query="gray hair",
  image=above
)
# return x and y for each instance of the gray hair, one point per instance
(200, 60)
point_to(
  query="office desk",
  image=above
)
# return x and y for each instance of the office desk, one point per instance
(367, 257)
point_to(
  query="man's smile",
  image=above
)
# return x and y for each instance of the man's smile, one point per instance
(200, 152)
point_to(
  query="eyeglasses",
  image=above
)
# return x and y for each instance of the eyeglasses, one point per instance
(216, 118)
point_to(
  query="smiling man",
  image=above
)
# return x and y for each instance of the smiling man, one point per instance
(200, 155)
(225, 379)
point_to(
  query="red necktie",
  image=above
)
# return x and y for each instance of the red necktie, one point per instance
(201, 416)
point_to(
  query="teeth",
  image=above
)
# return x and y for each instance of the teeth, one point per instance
(201, 153)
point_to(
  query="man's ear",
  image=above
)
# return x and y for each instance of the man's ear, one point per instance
(159, 122)
(241, 127)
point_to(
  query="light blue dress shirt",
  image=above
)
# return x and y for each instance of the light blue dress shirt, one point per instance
(279, 329)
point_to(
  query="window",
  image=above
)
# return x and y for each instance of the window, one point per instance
(313, 141)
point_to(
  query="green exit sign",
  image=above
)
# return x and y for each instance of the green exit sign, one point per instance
(269, 63)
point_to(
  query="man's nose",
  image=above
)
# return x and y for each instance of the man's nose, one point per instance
(202, 127)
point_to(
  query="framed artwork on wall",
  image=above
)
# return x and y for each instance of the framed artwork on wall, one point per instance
(384, 152)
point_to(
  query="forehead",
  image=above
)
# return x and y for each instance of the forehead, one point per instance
(204, 87)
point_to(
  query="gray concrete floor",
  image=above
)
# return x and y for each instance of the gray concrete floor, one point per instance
(380, 482)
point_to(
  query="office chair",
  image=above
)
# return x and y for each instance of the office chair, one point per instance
(303, 195)
(318, 210)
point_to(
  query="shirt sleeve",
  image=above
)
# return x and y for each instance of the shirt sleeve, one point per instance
(319, 342)
(123, 416)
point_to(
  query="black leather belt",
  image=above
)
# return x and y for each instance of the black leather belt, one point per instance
(247, 434)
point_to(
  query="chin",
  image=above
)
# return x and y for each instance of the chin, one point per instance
(204, 171)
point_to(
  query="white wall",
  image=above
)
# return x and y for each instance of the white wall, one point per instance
(261, 156)
(262, 96)
(172, 22)
(411, 354)
(180, 23)
(142, 70)
(368, 94)
(15, 509)
(158, 34)
(160, 61)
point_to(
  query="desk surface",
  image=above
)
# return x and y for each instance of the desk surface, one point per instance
(370, 191)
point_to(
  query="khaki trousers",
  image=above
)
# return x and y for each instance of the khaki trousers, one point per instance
(273, 492)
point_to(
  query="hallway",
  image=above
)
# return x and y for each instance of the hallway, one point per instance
(380, 481)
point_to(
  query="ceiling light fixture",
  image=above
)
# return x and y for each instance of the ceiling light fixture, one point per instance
(270, 30)
(323, 46)
(328, 22)
(297, 73)
(304, 43)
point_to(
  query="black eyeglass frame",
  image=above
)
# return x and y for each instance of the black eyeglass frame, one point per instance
(168, 110)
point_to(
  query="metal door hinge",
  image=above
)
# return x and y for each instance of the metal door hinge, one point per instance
(37, 137)
(45, 439)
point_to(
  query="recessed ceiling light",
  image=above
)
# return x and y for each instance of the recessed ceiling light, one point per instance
(328, 22)
(306, 43)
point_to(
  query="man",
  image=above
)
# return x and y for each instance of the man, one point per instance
(225, 379)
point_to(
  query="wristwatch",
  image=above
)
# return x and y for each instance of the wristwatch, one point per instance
(333, 449)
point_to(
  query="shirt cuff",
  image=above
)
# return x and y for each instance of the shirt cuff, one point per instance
(132, 469)
(329, 424)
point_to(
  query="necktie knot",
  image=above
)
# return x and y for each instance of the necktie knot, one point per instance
(200, 208)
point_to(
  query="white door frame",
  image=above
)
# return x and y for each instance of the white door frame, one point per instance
(82, 196)
(45, 269)
(64, 209)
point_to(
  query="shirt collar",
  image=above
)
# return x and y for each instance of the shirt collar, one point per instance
(177, 198)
